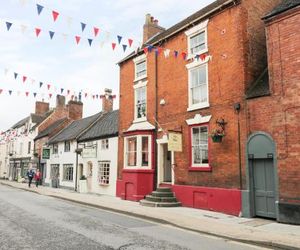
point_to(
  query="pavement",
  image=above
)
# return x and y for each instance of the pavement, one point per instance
(261, 232)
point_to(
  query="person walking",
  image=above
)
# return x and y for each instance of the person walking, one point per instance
(30, 175)
(37, 177)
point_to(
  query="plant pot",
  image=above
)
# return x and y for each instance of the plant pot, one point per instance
(217, 138)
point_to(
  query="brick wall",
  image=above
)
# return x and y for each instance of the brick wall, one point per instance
(279, 114)
(236, 59)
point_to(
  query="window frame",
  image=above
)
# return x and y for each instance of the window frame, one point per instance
(65, 175)
(139, 152)
(104, 144)
(138, 60)
(65, 148)
(102, 177)
(201, 27)
(136, 87)
(55, 149)
(203, 166)
(190, 67)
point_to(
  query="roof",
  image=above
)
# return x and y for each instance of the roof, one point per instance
(260, 87)
(105, 127)
(20, 123)
(284, 6)
(75, 129)
(198, 16)
(47, 131)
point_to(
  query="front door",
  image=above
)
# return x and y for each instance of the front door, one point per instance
(264, 187)
(167, 165)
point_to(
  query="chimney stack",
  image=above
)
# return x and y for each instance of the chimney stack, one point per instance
(151, 28)
(75, 109)
(41, 107)
(107, 100)
(60, 101)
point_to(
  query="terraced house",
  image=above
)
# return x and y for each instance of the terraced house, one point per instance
(187, 102)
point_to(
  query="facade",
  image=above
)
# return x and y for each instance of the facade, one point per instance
(62, 165)
(273, 107)
(86, 147)
(189, 83)
(61, 116)
(98, 159)
(3, 161)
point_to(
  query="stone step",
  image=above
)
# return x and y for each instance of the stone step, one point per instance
(160, 199)
(159, 204)
(162, 194)
(164, 189)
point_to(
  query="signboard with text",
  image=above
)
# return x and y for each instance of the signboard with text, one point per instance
(46, 153)
(175, 142)
(90, 152)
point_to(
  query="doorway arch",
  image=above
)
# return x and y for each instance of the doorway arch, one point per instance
(261, 198)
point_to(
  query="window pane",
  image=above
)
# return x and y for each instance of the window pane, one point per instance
(200, 145)
(131, 151)
(103, 173)
(198, 85)
(197, 42)
(145, 151)
(141, 102)
(141, 69)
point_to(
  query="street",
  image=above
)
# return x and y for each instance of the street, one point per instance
(32, 221)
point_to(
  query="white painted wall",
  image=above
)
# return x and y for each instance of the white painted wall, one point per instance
(3, 161)
(111, 155)
(62, 158)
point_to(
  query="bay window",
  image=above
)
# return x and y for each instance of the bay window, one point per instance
(138, 151)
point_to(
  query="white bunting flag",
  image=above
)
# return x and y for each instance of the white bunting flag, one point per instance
(167, 53)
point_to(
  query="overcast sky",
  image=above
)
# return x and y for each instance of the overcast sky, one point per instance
(60, 62)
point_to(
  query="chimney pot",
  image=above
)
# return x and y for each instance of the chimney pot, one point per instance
(107, 100)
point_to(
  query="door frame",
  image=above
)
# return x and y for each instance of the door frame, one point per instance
(248, 201)
(160, 160)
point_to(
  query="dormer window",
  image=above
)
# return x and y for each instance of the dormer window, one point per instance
(197, 39)
(140, 63)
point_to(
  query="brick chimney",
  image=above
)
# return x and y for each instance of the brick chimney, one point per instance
(60, 101)
(41, 107)
(151, 28)
(75, 109)
(107, 100)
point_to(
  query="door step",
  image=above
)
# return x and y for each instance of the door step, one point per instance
(162, 197)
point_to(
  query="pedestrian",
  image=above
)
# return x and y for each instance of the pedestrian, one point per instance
(30, 175)
(37, 177)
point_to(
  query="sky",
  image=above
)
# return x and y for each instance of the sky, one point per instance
(60, 62)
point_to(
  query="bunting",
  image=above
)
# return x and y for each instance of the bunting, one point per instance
(39, 8)
(90, 41)
(83, 25)
(8, 25)
(77, 39)
(96, 31)
(51, 34)
(55, 15)
(37, 31)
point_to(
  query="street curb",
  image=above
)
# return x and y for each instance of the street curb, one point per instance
(267, 244)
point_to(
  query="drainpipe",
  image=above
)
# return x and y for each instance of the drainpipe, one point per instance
(76, 165)
(237, 108)
(156, 126)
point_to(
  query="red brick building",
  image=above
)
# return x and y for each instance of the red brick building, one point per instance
(273, 112)
(186, 79)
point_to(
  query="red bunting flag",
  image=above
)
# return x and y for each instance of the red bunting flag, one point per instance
(96, 31)
(146, 50)
(202, 57)
(113, 46)
(55, 15)
(27, 93)
(130, 41)
(50, 95)
(24, 78)
(93, 96)
(183, 54)
(77, 39)
(1, 91)
(48, 86)
(72, 97)
(37, 31)
(85, 95)
(68, 91)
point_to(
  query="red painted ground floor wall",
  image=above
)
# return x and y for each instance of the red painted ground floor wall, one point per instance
(135, 185)
(215, 199)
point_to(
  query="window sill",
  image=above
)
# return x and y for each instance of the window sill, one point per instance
(103, 184)
(143, 119)
(200, 169)
(201, 106)
(137, 170)
(139, 78)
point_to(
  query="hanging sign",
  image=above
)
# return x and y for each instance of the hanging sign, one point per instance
(46, 153)
(175, 142)
(89, 152)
